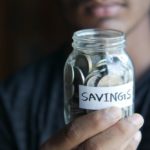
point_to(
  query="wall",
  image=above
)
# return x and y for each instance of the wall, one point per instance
(29, 29)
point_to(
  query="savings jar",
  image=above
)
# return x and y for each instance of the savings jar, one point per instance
(98, 74)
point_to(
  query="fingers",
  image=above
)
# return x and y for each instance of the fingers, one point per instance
(134, 142)
(116, 136)
(83, 128)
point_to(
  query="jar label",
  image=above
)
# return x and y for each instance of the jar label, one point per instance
(95, 98)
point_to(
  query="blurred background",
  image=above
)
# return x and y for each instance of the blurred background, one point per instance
(29, 30)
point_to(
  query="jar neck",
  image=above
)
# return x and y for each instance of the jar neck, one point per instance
(94, 40)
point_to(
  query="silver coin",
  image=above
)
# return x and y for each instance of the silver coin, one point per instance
(93, 80)
(123, 68)
(78, 80)
(93, 73)
(78, 76)
(102, 66)
(84, 62)
(110, 80)
(68, 74)
(101, 62)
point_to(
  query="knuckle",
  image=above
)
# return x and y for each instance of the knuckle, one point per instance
(123, 128)
(72, 132)
(91, 145)
(97, 120)
(101, 120)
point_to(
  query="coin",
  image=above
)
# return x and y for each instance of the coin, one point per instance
(110, 80)
(93, 73)
(79, 79)
(102, 66)
(68, 74)
(101, 63)
(93, 80)
(84, 62)
(78, 76)
(122, 67)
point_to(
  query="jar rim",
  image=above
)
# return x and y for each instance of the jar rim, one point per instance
(95, 33)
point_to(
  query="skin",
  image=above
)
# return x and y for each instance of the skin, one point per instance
(98, 130)
(133, 19)
(130, 15)
(105, 131)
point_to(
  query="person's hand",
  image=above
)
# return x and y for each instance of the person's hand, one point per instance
(99, 130)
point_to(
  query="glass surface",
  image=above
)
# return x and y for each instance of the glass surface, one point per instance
(95, 67)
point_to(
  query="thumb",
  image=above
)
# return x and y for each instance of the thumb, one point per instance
(82, 129)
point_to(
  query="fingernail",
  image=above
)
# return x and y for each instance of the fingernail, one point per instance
(137, 120)
(114, 113)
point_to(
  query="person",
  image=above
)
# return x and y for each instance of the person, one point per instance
(31, 102)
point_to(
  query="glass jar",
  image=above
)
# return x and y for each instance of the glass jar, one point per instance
(98, 74)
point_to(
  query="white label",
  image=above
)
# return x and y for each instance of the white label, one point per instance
(95, 98)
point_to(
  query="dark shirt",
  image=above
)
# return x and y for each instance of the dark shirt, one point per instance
(31, 105)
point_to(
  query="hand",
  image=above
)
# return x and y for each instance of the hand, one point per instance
(99, 130)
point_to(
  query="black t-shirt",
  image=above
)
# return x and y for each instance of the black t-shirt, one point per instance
(31, 105)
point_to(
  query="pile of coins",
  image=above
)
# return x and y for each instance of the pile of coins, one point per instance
(95, 70)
